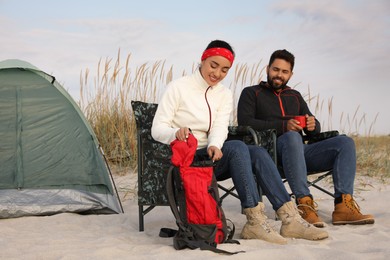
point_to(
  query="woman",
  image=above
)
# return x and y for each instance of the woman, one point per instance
(200, 105)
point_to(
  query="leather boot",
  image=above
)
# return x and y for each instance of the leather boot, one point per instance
(294, 226)
(348, 212)
(257, 227)
(308, 210)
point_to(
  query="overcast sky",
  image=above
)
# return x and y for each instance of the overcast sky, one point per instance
(342, 48)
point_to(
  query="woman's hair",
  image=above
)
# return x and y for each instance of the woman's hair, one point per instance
(284, 55)
(220, 44)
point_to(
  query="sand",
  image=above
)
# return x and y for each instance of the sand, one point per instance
(74, 236)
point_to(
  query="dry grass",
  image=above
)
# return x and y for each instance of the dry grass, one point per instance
(106, 104)
(373, 155)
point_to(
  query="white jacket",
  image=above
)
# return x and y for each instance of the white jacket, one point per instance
(184, 105)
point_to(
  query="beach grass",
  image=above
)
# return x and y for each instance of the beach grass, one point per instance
(105, 100)
(373, 153)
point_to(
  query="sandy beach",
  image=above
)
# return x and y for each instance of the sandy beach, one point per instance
(74, 236)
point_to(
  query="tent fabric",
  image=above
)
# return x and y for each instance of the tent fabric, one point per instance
(47, 148)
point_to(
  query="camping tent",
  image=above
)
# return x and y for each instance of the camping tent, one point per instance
(50, 160)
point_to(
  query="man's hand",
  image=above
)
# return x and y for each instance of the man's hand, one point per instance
(214, 153)
(310, 123)
(293, 125)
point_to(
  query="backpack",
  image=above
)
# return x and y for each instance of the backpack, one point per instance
(192, 192)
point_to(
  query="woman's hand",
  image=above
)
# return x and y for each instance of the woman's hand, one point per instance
(182, 134)
(214, 153)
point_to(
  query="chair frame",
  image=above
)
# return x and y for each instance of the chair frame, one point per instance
(322, 174)
(266, 139)
(235, 132)
(140, 151)
(141, 211)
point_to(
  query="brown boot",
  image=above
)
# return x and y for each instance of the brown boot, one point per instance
(308, 210)
(348, 212)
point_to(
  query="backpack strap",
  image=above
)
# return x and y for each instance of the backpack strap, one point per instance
(202, 245)
(167, 232)
(171, 198)
(231, 230)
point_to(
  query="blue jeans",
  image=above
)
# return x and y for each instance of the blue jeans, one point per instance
(245, 164)
(337, 153)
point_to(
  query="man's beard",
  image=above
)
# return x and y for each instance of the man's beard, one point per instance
(276, 87)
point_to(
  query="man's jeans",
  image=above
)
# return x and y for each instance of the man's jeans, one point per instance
(242, 163)
(337, 153)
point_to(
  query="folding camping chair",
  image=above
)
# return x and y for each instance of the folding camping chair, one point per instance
(248, 135)
(154, 160)
(320, 175)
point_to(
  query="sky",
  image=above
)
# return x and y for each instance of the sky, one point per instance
(341, 47)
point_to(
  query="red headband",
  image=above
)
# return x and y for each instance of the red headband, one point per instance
(218, 52)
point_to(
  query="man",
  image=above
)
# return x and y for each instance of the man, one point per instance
(273, 104)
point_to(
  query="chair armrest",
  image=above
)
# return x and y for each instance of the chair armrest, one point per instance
(239, 130)
(321, 136)
(265, 138)
(243, 133)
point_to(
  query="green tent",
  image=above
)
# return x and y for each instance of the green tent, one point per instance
(50, 160)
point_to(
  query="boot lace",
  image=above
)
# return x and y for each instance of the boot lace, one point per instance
(298, 217)
(264, 223)
(306, 207)
(352, 204)
(266, 226)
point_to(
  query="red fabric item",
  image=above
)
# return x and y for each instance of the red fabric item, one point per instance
(218, 52)
(201, 206)
(183, 152)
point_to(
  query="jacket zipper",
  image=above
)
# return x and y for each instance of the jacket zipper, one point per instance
(208, 105)
(280, 102)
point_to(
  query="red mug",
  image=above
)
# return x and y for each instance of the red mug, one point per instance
(302, 120)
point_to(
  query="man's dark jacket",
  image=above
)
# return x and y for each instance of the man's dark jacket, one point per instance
(263, 108)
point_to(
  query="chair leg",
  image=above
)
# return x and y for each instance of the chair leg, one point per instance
(140, 218)
(313, 183)
(322, 189)
(227, 192)
(260, 191)
(141, 215)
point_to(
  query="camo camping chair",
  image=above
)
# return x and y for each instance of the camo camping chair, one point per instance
(319, 175)
(154, 159)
